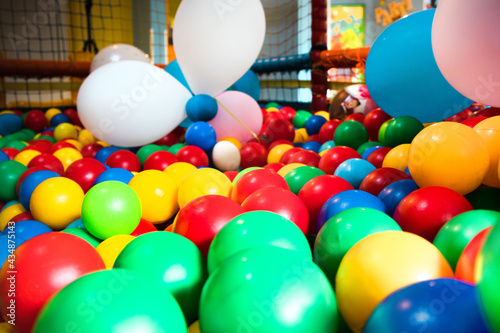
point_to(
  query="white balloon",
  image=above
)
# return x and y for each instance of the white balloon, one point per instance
(131, 103)
(118, 52)
(226, 156)
(217, 41)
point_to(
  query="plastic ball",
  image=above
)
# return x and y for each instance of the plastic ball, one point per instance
(427, 209)
(378, 179)
(103, 154)
(435, 306)
(300, 118)
(467, 264)
(350, 134)
(312, 145)
(143, 227)
(9, 211)
(159, 160)
(172, 261)
(58, 119)
(402, 130)
(56, 202)
(342, 231)
(397, 157)
(256, 180)
(47, 161)
(144, 152)
(35, 120)
(382, 130)
(40, 262)
(10, 171)
(65, 131)
(157, 193)
(117, 174)
(176, 147)
(288, 112)
(285, 157)
(124, 159)
(193, 155)
(334, 157)
(345, 200)
(67, 156)
(29, 184)
(283, 171)
(393, 193)
(298, 177)
(373, 121)
(203, 182)
(489, 130)
(110, 248)
(255, 229)
(10, 152)
(83, 234)
(354, 170)
(253, 154)
(327, 130)
(325, 146)
(85, 172)
(178, 171)
(201, 108)
(226, 156)
(109, 298)
(380, 264)
(454, 236)
(111, 208)
(51, 113)
(444, 144)
(25, 156)
(201, 134)
(377, 156)
(27, 229)
(280, 129)
(306, 157)
(313, 124)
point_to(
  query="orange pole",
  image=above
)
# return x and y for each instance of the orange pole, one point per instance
(348, 58)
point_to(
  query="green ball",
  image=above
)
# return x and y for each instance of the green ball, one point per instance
(485, 198)
(10, 171)
(342, 231)
(17, 144)
(489, 274)
(454, 236)
(350, 133)
(402, 130)
(269, 289)
(111, 208)
(300, 118)
(382, 130)
(369, 144)
(271, 105)
(26, 134)
(252, 229)
(171, 260)
(175, 147)
(83, 234)
(113, 300)
(145, 151)
(298, 177)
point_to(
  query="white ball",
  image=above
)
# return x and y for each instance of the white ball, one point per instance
(118, 52)
(226, 156)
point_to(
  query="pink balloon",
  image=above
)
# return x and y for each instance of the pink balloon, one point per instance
(244, 109)
(466, 45)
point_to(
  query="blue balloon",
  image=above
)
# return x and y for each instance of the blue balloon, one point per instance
(201, 134)
(345, 200)
(249, 84)
(103, 153)
(28, 229)
(393, 193)
(327, 145)
(201, 108)
(31, 182)
(58, 119)
(313, 124)
(434, 306)
(354, 170)
(402, 75)
(10, 123)
(369, 151)
(312, 145)
(3, 156)
(174, 69)
(116, 174)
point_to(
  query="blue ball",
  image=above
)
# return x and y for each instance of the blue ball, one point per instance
(354, 170)
(345, 200)
(434, 306)
(10, 123)
(116, 174)
(201, 108)
(59, 118)
(313, 124)
(3, 156)
(31, 182)
(327, 145)
(393, 193)
(369, 151)
(103, 153)
(201, 134)
(28, 229)
(76, 224)
(312, 145)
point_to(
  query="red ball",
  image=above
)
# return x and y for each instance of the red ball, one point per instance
(44, 265)
(274, 167)
(307, 157)
(378, 179)
(10, 152)
(84, 172)
(69, 112)
(426, 210)
(253, 154)
(288, 112)
(373, 120)
(201, 219)
(231, 174)
(317, 191)
(280, 129)
(255, 180)
(377, 156)
(143, 227)
(34, 147)
(43, 145)
(461, 116)
(124, 159)
(288, 154)
(90, 149)
(328, 129)
(159, 160)
(22, 217)
(25, 174)
(473, 121)
(466, 265)
(35, 121)
(279, 201)
(60, 145)
(333, 157)
(193, 155)
(48, 162)
(269, 116)
(168, 140)
(359, 117)
(489, 112)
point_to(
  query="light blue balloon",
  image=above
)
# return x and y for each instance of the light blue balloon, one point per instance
(402, 75)
(354, 170)
(174, 69)
(249, 84)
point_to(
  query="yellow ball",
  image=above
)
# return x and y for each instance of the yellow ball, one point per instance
(7, 112)
(489, 130)
(449, 154)
(380, 264)
(110, 248)
(65, 131)
(323, 114)
(397, 157)
(289, 167)
(233, 141)
(202, 182)
(57, 202)
(85, 137)
(51, 113)
(157, 192)
(67, 156)
(276, 152)
(178, 171)
(25, 156)
(299, 136)
(77, 144)
(272, 109)
(7, 214)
